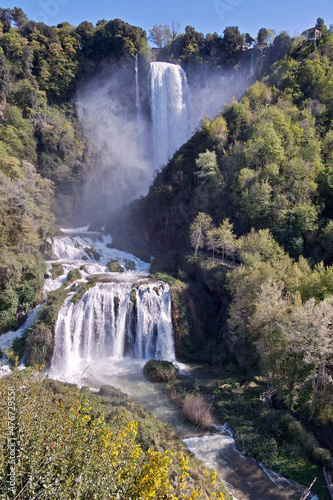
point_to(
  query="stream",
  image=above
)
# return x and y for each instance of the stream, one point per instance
(106, 338)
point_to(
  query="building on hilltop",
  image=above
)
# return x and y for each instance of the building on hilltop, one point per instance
(314, 34)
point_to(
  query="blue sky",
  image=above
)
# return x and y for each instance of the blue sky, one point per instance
(205, 15)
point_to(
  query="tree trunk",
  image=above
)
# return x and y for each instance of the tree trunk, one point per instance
(317, 385)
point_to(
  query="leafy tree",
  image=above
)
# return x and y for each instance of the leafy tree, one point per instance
(18, 16)
(160, 35)
(271, 308)
(310, 333)
(198, 230)
(248, 39)
(232, 38)
(4, 76)
(264, 36)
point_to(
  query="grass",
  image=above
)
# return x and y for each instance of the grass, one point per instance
(197, 412)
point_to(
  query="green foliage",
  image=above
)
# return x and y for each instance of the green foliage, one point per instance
(160, 371)
(73, 276)
(90, 446)
(82, 288)
(56, 270)
(115, 267)
(39, 338)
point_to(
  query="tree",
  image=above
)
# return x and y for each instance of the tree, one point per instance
(198, 230)
(232, 38)
(264, 36)
(175, 29)
(19, 17)
(271, 308)
(248, 39)
(213, 240)
(320, 23)
(227, 241)
(207, 164)
(160, 35)
(309, 330)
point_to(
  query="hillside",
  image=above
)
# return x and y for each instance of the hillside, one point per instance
(240, 220)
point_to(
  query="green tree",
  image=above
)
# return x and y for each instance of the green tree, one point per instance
(160, 35)
(310, 333)
(198, 231)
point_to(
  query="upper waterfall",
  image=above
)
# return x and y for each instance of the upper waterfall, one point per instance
(169, 103)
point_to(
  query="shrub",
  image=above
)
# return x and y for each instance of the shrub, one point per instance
(130, 265)
(195, 410)
(65, 448)
(321, 456)
(73, 276)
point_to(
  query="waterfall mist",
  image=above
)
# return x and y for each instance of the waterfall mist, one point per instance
(122, 169)
(136, 116)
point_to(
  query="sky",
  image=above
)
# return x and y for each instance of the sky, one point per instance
(206, 16)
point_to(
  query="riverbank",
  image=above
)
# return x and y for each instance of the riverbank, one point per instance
(273, 437)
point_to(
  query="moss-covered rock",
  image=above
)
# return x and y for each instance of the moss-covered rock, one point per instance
(92, 253)
(130, 265)
(116, 302)
(115, 267)
(73, 276)
(82, 288)
(56, 270)
(160, 371)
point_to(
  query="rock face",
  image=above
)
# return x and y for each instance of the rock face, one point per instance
(160, 371)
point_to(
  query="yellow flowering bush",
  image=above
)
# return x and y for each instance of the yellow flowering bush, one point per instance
(54, 448)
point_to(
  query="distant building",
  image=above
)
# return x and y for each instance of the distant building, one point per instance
(314, 34)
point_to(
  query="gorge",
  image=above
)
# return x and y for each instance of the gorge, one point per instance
(257, 174)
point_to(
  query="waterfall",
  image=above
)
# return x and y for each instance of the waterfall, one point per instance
(114, 320)
(169, 103)
(137, 88)
(252, 65)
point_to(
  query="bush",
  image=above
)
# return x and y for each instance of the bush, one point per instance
(195, 410)
(39, 345)
(160, 371)
(321, 456)
(130, 265)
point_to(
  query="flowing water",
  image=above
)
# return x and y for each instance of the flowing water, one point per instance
(109, 334)
(169, 105)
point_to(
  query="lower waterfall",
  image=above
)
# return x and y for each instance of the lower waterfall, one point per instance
(124, 314)
(114, 320)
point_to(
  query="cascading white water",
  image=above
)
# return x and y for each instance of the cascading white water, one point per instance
(169, 103)
(114, 320)
(137, 88)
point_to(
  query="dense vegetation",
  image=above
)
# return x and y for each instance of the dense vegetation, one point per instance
(254, 187)
(57, 441)
(240, 220)
(44, 155)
